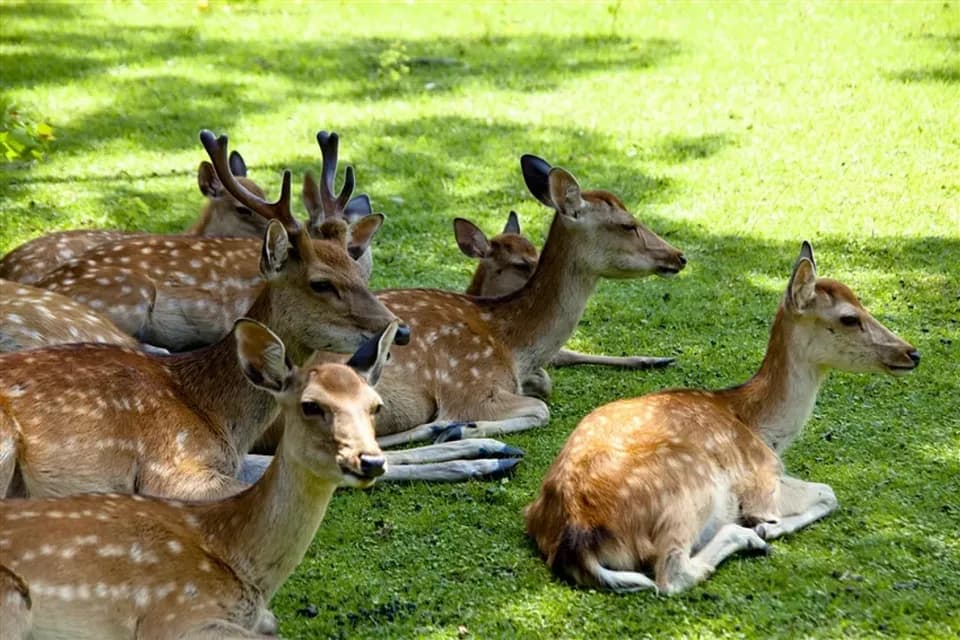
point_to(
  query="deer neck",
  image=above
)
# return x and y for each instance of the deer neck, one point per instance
(476, 283)
(779, 399)
(536, 320)
(212, 379)
(267, 529)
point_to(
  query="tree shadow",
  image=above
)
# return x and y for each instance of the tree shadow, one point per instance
(948, 73)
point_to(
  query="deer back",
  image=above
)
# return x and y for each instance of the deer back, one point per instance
(32, 318)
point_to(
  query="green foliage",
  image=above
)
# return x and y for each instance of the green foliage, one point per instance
(733, 130)
(22, 137)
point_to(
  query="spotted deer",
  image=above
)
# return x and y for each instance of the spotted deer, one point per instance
(176, 426)
(469, 358)
(114, 566)
(679, 480)
(221, 215)
(32, 318)
(504, 263)
(181, 292)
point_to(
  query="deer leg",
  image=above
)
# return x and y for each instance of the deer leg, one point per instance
(801, 503)
(520, 414)
(567, 358)
(677, 571)
(15, 607)
(451, 471)
(459, 450)
(538, 385)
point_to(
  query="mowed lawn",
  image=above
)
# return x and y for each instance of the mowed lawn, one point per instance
(733, 130)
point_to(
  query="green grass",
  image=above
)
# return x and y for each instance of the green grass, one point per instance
(733, 130)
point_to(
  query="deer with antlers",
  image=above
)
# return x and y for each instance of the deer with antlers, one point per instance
(180, 292)
(221, 215)
(504, 263)
(32, 318)
(677, 481)
(113, 566)
(461, 376)
(177, 425)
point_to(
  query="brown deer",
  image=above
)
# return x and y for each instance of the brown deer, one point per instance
(32, 318)
(469, 358)
(176, 426)
(182, 292)
(221, 215)
(677, 481)
(114, 566)
(504, 263)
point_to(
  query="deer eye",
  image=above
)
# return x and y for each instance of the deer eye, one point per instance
(313, 409)
(850, 321)
(324, 286)
(243, 212)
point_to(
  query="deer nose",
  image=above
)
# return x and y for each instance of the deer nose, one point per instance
(372, 466)
(915, 356)
(683, 261)
(402, 336)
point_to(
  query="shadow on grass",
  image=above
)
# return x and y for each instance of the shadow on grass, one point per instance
(947, 73)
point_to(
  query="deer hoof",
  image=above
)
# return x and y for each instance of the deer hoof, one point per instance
(505, 467)
(455, 431)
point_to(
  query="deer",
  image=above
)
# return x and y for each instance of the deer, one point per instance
(221, 215)
(184, 292)
(504, 263)
(469, 360)
(115, 566)
(32, 318)
(177, 425)
(677, 481)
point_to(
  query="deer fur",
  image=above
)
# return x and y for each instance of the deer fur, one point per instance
(674, 482)
(32, 318)
(114, 566)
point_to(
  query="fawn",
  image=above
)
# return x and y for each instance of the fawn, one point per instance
(114, 566)
(504, 263)
(221, 215)
(676, 481)
(175, 425)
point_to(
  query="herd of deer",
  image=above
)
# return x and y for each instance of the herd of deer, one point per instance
(129, 435)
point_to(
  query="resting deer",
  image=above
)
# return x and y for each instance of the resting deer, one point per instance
(32, 318)
(504, 263)
(180, 292)
(677, 481)
(113, 566)
(176, 426)
(221, 215)
(461, 376)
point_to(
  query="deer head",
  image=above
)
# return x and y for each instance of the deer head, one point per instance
(505, 262)
(222, 214)
(836, 330)
(616, 245)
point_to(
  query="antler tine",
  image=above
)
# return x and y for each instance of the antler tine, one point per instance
(329, 150)
(347, 191)
(279, 210)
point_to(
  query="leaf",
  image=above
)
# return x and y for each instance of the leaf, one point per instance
(45, 131)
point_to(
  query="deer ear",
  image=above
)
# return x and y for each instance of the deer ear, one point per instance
(237, 166)
(358, 207)
(565, 192)
(513, 224)
(471, 240)
(802, 288)
(806, 251)
(311, 201)
(536, 172)
(208, 181)
(362, 232)
(263, 358)
(275, 251)
(369, 359)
